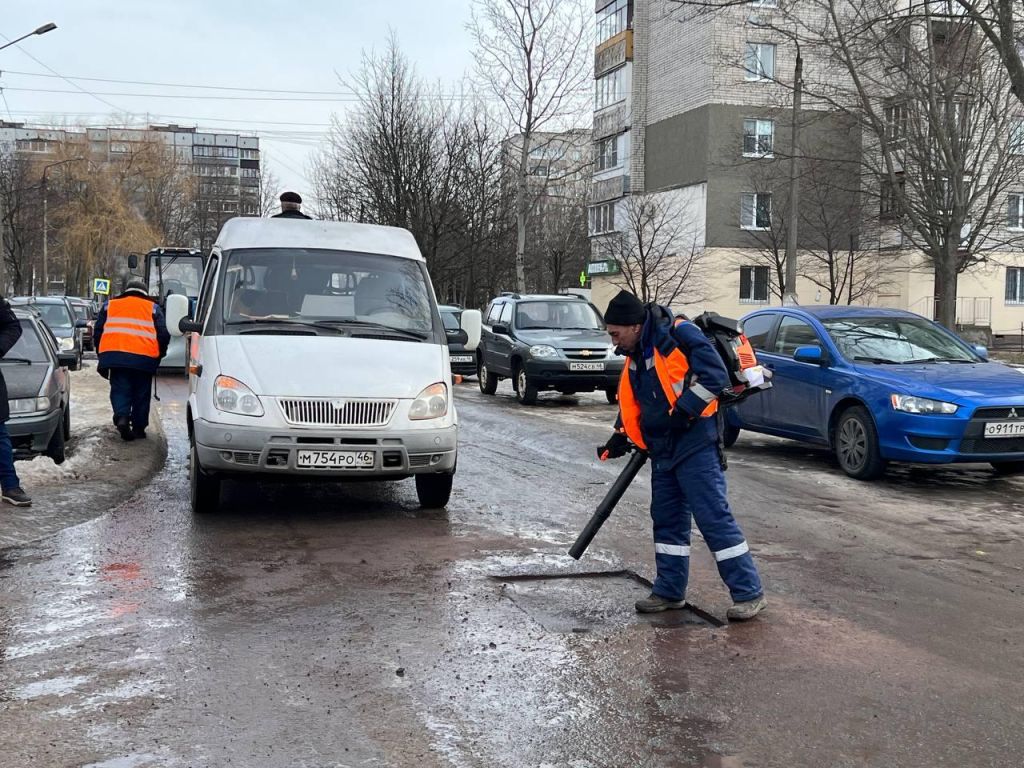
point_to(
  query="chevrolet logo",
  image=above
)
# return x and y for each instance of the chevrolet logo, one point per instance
(588, 353)
(1012, 414)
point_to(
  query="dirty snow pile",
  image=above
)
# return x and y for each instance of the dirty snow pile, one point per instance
(83, 452)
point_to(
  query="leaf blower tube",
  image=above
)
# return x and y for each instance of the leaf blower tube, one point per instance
(604, 509)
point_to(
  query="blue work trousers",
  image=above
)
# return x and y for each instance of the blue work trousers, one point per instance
(130, 392)
(8, 477)
(694, 489)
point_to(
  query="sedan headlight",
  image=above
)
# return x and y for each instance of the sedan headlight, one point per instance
(542, 350)
(431, 403)
(67, 343)
(232, 396)
(27, 406)
(911, 404)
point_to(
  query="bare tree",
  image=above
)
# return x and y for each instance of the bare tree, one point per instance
(20, 220)
(658, 251)
(997, 19)
(267, 193)
(535, 57)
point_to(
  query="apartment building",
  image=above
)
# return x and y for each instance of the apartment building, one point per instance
(689, 113)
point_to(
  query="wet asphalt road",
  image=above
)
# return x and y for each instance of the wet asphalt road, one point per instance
(342, 626)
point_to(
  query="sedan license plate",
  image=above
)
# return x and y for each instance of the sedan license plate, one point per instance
(1004, 429)
(334, 460)
(462, 358)
(586, 366)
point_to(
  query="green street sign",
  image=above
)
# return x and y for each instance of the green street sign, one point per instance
(608, 267)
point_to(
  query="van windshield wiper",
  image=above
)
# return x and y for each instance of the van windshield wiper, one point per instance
(19, 360)
(421, 335)
(269, 321)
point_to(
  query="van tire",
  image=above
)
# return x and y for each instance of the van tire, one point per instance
(204, 488)
(488, 381)
(434, 491)
(56, 448)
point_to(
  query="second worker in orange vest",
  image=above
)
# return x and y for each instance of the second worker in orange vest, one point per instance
(668, 402)
(131, 338)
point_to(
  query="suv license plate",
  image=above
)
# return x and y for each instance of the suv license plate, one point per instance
(1004, 429)
(586, 366)
(462, 358)
(334, 459)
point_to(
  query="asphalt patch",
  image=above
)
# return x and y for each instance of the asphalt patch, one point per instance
(594, 601)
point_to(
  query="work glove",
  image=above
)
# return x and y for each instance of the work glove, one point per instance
(681, 420)
(616, 447)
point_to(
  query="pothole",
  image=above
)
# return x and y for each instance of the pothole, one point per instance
(593, 601)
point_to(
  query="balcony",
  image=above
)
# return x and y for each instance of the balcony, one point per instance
(613, 53)
(609, 189)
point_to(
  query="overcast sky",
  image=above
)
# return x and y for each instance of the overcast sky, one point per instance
(238, 43)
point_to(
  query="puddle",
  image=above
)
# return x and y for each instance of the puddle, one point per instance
(584, 602)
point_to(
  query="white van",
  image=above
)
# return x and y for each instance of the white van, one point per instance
(317, 351)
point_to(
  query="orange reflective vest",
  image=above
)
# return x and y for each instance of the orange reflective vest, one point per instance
(130, 328)
(673, 369)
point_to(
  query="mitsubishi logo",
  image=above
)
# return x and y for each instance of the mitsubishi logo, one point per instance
(1012, 414)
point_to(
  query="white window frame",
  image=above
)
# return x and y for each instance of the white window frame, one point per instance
(609, 89)
(754, 70)
(758, 134)
(612, 20)
(606, 160)
(752, 298)
(765, 3)
(1010, 199)
(755, 199)
(602, 218)
(1014, 274)
(1017, 137)
(895, 116)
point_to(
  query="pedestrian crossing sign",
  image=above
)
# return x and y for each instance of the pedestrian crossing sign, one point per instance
(101, 285)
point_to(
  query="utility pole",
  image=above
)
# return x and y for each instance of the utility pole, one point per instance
(790, 296)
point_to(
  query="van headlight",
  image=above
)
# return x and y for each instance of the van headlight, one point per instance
(542, 350)
(431, 403)
(67, 343)
(29, 406)
(911, 404)
(232, 396)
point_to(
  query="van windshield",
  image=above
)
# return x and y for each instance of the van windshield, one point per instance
(368, 292)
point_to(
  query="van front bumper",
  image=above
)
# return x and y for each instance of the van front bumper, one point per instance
(274, 451)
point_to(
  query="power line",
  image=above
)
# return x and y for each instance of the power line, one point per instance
(189, 97)
(184, 85)
(164, 116)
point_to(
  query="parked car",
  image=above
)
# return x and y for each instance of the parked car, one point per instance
(879, 385)
(85, 311)
(38, 390)
(60, 318)
(555, 342)
(463, 359)
(317, 352)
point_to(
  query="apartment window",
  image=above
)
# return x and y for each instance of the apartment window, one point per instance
(895, 121)
(249, 209)
(602, 218)
(228, 207)
(890, 196)
(759, 61)
(1014, 285)
(1017, 138)
(608, 153)
(120, 147)
(610, 89)
(756, 210)
(539, 169)
(758, 138)
(1015, 211)
(754, 285)
(32, 145)
(765, 3)
(250, 154)
(612, 19)
(250, 173)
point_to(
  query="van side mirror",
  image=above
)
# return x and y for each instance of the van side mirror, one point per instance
(812, 354)
(177, 311)
(133, 261)
(472, 322)
(458, 337)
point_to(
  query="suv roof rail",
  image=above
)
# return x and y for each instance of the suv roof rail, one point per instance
(510, 294)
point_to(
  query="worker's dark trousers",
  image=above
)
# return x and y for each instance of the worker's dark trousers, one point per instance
(130, 391)
(695, 489)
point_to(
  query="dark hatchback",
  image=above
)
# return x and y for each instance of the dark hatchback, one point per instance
(553, 342)
(60, 318)
(38, 390)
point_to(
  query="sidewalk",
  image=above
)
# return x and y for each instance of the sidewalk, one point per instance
(101, 469)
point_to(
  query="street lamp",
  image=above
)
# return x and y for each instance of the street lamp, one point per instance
(46, 238)
(41, 31)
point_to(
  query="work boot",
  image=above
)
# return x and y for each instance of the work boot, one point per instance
(16, 497)
(746, 610)
(139, 434)
(124, 427)
(655, 603)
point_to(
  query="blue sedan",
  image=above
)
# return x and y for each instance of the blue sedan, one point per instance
(878, 385)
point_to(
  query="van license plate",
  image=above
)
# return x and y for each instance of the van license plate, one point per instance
(462, 358)
(586, 366)
(334, 460)
(1004, 429)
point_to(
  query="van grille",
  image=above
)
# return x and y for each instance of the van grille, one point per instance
(329, 412)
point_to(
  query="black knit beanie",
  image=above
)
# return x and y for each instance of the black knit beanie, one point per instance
(625, 309)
